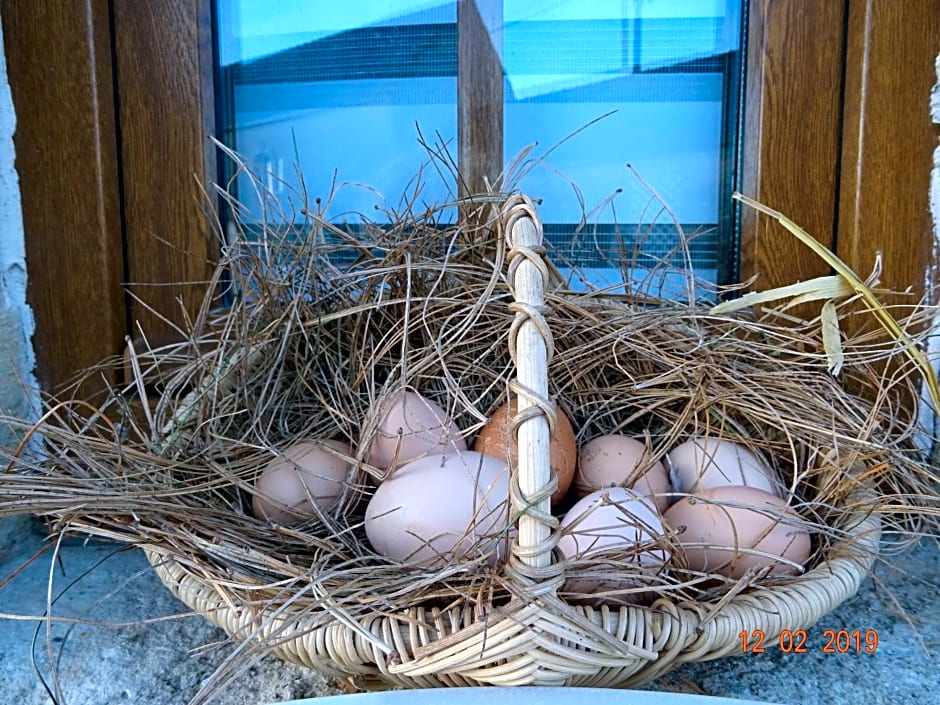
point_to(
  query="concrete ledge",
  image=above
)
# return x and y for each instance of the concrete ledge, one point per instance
(166, 662)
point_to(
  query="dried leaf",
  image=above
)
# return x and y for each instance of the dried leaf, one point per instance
(887, 321)
(829, 287)
(832, 338)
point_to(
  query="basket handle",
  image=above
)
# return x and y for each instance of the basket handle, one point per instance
(531, 347)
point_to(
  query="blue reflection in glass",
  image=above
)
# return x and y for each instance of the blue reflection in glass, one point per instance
(338, 92)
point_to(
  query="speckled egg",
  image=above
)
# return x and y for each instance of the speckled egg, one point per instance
(615, 460)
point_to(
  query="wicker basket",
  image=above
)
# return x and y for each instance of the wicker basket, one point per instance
(535, 639)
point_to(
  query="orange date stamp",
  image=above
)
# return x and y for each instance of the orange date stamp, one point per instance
(795, 641)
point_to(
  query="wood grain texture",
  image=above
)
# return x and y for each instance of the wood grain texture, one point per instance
(889, 139)
(59, 65)
(163, 75)
(792, 133)
(479, 98)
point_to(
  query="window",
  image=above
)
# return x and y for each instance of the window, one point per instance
(312, 89)
(337, 89)
(109, 194)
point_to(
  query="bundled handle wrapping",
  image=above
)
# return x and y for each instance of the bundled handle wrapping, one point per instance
(531, 347)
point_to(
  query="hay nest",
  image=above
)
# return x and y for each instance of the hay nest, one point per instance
(328, 322)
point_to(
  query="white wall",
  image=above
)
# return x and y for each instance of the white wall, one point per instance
(930, 419)
(16, 319)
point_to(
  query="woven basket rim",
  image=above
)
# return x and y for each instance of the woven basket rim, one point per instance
(663, 635)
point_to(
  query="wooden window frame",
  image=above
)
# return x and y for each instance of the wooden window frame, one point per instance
(115, 98)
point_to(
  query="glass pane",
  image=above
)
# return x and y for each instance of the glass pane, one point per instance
(329, 89)
(342, 88)
(665, 74)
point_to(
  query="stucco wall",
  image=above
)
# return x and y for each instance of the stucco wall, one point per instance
(16, 320)
(932, 274)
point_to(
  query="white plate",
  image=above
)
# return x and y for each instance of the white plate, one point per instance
(520, 696)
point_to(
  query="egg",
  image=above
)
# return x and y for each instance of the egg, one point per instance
(411, 426)
(704, 462)
(496, 439)
(730, 530)
(302, 474)
(442, 508)
(623, 532)
(620, 461)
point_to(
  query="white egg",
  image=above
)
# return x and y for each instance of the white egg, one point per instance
(704, 462)
(410, 427)
(442, 508)
(613, 539)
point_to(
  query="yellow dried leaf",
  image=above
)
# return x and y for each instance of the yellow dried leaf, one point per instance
(887, 321)
(829, 287)
(832, 338)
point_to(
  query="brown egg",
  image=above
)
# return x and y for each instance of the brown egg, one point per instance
(620, 461)
(495, 439)
(302, 474)
(442, 508)
(411, 427)
(730, 530)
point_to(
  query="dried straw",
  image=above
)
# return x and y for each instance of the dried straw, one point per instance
(327, 321)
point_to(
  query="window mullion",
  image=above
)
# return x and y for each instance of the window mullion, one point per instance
(479, 94)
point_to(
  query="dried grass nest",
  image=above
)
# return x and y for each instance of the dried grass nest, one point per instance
(328, 321)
